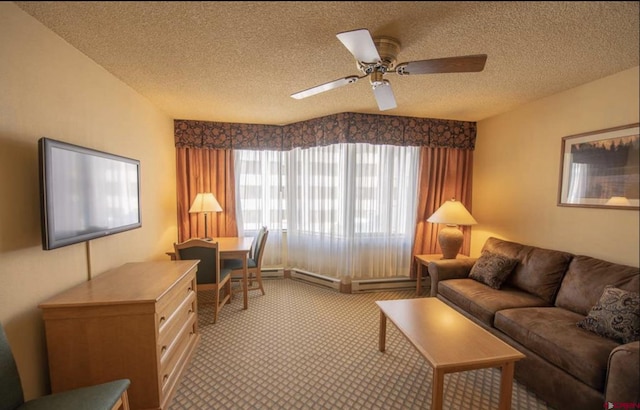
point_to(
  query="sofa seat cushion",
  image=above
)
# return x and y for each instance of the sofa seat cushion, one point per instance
(482, 301)
(552, 333)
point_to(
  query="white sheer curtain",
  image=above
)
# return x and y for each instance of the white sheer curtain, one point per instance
(348, 209)
(259, 199)
(351, 209)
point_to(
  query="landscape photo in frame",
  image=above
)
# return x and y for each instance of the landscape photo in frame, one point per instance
(600, 169)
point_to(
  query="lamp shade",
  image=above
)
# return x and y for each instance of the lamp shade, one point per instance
(452, 212)
(205, 202)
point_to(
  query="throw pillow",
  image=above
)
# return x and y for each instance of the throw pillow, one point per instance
(492, 269)
(615, 316)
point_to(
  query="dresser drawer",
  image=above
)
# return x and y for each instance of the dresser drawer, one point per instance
(174, 325)
(168, 304)
(176, 355)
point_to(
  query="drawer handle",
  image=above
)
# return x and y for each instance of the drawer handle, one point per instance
(163, 349)
(162, 319)
(190, 289)
(165, 378)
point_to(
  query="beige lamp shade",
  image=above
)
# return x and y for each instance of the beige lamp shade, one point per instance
(205, 203)
(452, 213)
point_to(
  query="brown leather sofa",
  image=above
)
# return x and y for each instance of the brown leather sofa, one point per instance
(536, 310)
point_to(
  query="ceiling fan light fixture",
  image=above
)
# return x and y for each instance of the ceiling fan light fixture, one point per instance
(375, 78)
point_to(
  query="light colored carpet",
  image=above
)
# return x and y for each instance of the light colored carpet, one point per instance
(302, 346)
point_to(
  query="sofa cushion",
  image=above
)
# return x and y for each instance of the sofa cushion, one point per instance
(539, 271)
(552, 333)
(492, 269)
(586, 278)
(616, 315)
(483, 302)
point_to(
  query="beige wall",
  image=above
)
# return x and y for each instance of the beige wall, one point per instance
(517, 166)
(48, 88)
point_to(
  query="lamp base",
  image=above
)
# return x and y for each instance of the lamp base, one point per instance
(450, 239)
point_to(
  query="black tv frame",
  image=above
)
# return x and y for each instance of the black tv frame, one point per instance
(47, 209)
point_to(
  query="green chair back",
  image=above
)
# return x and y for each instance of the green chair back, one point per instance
(11, 395)
(209, 256)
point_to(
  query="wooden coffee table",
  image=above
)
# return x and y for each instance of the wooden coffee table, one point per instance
(450, 342)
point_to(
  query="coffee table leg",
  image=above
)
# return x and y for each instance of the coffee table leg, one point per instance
(437, 390)
(506, 386)
(419, 279)
(383, 331)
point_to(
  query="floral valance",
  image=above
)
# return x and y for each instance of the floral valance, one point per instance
(332, 129)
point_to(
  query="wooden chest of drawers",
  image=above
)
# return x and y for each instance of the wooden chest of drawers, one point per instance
(138, 321)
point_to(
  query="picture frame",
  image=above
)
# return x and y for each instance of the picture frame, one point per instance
(600, 169)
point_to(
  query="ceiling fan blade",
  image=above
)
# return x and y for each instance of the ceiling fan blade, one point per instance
(462, 64)
(384, 96)
(360, 44)
(325, 87)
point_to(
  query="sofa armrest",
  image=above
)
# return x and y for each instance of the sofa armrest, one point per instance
(623, 374)
(444, 269)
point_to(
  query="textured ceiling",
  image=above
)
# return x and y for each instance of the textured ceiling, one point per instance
(241, 61)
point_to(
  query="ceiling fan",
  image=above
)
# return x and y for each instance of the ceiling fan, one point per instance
(376, 57)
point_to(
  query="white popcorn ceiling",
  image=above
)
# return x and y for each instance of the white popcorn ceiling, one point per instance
(241, 61)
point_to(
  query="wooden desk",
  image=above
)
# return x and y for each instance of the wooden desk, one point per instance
(233, 248)
(423, 261)
(449, 342)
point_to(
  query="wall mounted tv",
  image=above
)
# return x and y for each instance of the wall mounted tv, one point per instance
(85, 193)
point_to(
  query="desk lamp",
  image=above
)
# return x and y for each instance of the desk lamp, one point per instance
(203, 204)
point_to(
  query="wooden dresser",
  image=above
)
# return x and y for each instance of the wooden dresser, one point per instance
(138, 321)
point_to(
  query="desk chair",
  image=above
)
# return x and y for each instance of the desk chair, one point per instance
(209, 275)
(106, 396)
(254, 262)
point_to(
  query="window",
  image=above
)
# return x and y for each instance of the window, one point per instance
(349, 209)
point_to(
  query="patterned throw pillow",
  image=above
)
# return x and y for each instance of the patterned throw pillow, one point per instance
(492, 269)
(615, 316)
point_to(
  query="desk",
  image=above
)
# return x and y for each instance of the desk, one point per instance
(423, 261)
(234, 248)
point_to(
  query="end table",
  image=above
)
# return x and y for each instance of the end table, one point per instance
(423, 261)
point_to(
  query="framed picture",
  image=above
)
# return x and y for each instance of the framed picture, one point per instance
(600, 169)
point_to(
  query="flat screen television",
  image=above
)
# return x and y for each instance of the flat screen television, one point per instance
(85, 193)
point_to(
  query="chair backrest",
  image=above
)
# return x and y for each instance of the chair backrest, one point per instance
(11, 395)
(262, 241)
(208, 254)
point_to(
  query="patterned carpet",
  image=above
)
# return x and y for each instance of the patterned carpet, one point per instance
(302, 346)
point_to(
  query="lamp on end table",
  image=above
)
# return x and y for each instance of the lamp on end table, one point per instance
(452, 213)
(203, 204)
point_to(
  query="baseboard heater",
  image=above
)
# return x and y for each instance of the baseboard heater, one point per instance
(378, 285)
(270, 273)
(316, 279)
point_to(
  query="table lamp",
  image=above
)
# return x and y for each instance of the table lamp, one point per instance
(452, 213)
(203, 204)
